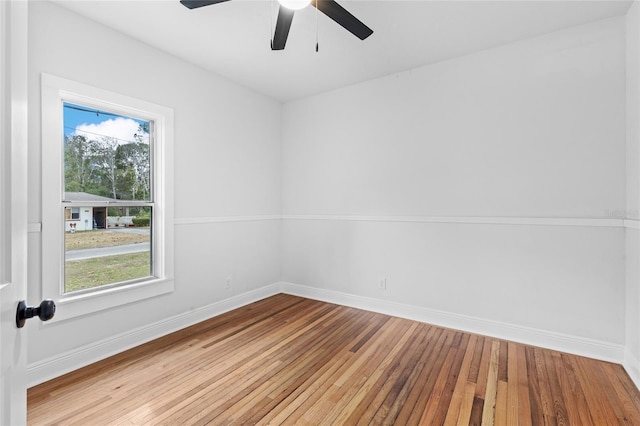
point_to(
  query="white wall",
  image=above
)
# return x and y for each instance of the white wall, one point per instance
(534, 129)
(632, 355)
(227, 167)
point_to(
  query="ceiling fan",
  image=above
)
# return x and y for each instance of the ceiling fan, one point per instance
(285, 16)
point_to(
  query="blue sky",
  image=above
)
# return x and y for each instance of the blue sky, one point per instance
(84, 120)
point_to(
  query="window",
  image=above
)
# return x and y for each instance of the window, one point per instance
(107, 202)
(72, 213)
(107, 168)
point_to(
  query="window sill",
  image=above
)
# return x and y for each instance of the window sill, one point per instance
(72, 306)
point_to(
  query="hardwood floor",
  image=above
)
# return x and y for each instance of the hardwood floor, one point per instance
(288, 360)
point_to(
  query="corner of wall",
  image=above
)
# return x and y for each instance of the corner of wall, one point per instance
(631, 361)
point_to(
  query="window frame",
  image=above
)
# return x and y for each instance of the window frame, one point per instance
(54, 92)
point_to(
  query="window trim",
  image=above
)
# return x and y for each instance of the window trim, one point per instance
(55, 91)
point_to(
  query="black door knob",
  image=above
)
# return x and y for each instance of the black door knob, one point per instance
(45, 311)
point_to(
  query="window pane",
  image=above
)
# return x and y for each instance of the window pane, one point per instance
(104, 249)
(106, 155)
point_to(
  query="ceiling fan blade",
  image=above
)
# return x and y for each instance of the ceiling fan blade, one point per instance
(339, 14)
(194, 4)
(283, 24)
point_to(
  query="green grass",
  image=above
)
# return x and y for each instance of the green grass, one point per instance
(94, 272)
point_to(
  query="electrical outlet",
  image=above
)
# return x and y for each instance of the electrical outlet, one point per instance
(227, 282)
(382, 283)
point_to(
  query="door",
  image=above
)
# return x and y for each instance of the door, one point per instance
(99, 217)
(13, 203)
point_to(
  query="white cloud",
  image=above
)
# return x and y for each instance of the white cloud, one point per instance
(121, 128)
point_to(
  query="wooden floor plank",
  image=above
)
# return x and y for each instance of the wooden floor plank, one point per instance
(502, 408)
(484, 367)
(535, 400)
(524, 399)
(429, 412)
(290, 360)
(559, 406)
(411, 411)
(404, 399)
(458, 393)
(541, 375)
(345, 382)
(475, 418)
(576, 391)
(491, 386)
(378, 407)
(449, 387)
(630, 406)
(368, 385)
(599, 407)
(474, 369)
(317, 382)
(466, 405)
(512, 384)
(317, 355)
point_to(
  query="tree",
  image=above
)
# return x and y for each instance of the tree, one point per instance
(132, 160)
(105, 159)
(106, 167)
(79, 172)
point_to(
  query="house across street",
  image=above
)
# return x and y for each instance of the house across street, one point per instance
(85, 218)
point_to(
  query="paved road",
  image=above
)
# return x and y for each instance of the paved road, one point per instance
(106, 251)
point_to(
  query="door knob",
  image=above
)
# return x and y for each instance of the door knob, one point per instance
(45, 311)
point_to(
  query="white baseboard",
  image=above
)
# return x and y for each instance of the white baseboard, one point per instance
(48, 369)
(632, 367)
(591, 348)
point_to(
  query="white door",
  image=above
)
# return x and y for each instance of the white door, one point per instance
(13, 203)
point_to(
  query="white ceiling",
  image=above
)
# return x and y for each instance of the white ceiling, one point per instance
(232, 38)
